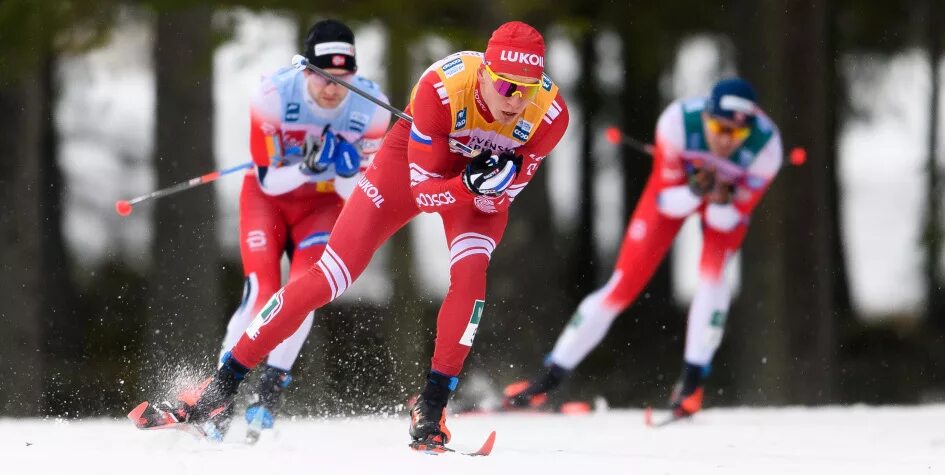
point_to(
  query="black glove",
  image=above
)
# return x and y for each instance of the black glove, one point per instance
(489, 174)
(722, 193)
(701, 180)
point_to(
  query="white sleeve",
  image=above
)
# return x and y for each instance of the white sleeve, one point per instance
(671, 130)
(722, 218)
(677, 201)
(279, 180)
(770, 157)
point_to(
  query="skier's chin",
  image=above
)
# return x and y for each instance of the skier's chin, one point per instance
(505, 117)
(329, 102)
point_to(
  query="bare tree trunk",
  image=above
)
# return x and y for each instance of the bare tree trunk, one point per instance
(653, 327)
(64, 342)
(811, 298)
(186, 314)
(789, 279)
(584, 270)
(935, 294)
(23, 106)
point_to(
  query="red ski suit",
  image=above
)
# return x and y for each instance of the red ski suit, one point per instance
(415, 170)
(662, 209)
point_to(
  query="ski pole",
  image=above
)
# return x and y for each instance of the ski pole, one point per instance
(124, 207)
(300, 62)
(614, 135)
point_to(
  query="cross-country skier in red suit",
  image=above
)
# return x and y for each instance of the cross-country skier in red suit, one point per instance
(309, 139)
(500, 103)
(727, 124)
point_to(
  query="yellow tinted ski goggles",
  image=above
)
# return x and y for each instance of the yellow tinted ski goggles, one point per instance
(718, 128)
(509, 88)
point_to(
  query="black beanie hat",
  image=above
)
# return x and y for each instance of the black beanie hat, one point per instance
(330, 44)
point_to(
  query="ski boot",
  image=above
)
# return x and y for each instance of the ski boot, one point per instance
(533, 394)
(262, 413)
(428, 414)
(686, 398)
(210, 406)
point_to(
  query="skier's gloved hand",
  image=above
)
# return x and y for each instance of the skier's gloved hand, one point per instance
(490, 174)
(346, 157)
(701, 180)
(722, 193)
(319, 157)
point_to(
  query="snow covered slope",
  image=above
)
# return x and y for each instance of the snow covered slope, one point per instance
(796, 441)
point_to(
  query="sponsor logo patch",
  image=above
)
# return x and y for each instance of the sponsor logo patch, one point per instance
(485, 204)
(256, 240)
(266, 315)
(460, 119)
(293, 142)
(358, 121)
(522, 130)
(545, 82)
(435, 199)
(292, 112)
(521, 57)
(754, 182)
(695, 139)
(745, 157)
(474, 318)
(371, 191)
(333, 47)
(453, 67)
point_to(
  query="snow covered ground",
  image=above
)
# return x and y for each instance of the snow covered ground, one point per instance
(860, 440)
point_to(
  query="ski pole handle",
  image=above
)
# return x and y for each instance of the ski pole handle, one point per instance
(124, 207)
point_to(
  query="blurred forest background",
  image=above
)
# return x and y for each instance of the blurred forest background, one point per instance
(90, 334)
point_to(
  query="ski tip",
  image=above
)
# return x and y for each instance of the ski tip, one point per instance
(575, 408)
(135, 414)
(486, 448)
(648, 416)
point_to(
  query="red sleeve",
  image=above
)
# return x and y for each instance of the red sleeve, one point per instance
(434, 176)
(257, 141)
(264, 124)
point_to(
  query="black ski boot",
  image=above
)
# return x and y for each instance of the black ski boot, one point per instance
(428, 415)
(216, 399)
(686, 398)
(262, 413)
(533, 394)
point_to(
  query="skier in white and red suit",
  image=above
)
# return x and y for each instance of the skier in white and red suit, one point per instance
(309, 139)
(500, 103)
(688, 177)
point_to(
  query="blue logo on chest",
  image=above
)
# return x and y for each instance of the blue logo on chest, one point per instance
(357, 122)
(522, 130)
(292, 112)
(460, 119)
